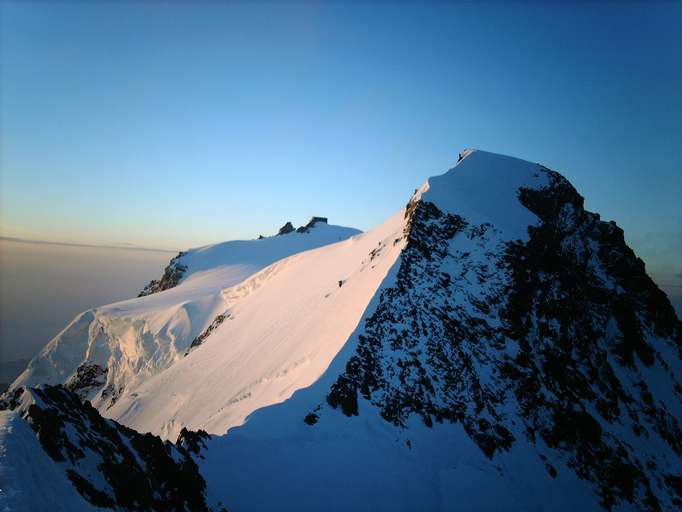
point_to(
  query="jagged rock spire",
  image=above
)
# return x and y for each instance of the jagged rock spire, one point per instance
(286, 229)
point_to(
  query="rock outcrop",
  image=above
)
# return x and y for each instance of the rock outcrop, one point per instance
(88, 376)
(311, 224)
(172, 275)
(219, 319)
(286, 229)
(110, 465)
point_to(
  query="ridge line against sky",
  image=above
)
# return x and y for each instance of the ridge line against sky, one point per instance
(183, 124)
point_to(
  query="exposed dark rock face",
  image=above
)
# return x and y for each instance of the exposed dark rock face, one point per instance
(88, 377)
(133, 471)
(207, 332)
(311, 224)
(193, 442)
(286, 229)
(421, 351)
(589, 323)
(171, 277)
(556, 339)
(111, 394)
(11, 400)
(311, 418)
(312, 221)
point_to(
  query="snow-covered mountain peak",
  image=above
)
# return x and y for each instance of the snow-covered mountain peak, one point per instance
(492, 344)
(525, 319)
(483, 188)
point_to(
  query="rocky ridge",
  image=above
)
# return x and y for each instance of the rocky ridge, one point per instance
(110, 465)
(172, 275)
(562, 339)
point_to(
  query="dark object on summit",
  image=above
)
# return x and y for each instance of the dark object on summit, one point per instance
(286, 229)
(311, 223)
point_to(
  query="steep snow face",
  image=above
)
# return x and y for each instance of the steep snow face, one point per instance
(274, 333)
(106, 350)
(511, 360)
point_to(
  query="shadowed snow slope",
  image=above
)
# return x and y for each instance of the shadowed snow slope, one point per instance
(111, 349)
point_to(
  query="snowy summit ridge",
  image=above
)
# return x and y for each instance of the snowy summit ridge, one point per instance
(492, 346)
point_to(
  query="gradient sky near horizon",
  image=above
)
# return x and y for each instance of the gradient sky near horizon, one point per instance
(176, 124)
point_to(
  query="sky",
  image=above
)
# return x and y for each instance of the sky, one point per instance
(176, 124)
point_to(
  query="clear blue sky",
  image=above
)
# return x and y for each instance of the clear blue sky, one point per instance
(171, 124)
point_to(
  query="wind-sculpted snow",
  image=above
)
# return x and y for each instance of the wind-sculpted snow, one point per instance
(130, 341)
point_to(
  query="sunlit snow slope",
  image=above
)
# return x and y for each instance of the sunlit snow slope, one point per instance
(281, 329)
(110, 350)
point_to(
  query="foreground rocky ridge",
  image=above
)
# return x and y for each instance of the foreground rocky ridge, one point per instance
(110, 465)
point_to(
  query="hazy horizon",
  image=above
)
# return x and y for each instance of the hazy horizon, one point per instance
(44, 286)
